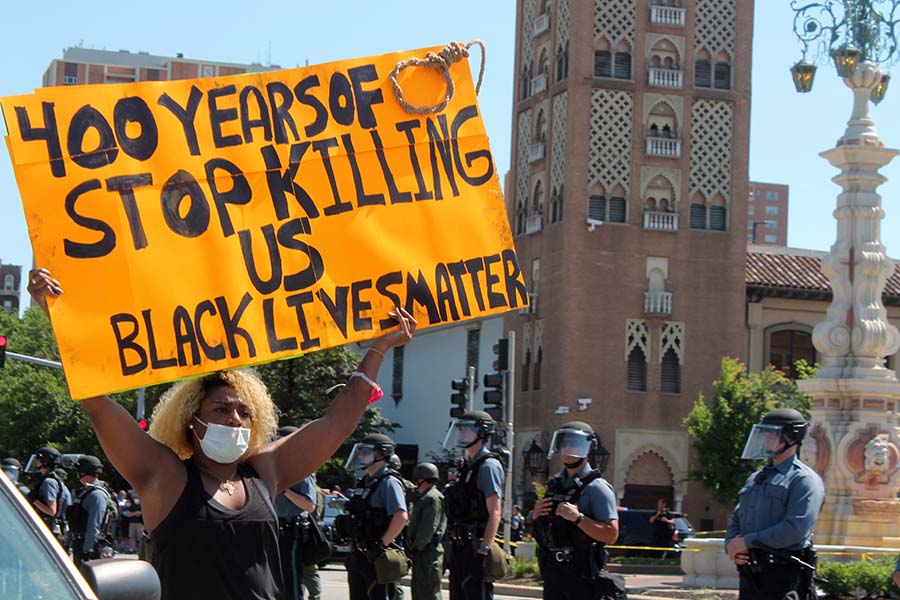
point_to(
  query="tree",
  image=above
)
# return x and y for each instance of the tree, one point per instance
(718, 432)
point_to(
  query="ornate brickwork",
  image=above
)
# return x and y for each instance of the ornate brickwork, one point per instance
(610, 143)
(673, 176)
(615, 20)
(711, 149)
(637, 335)
(524, 137)
(715, 26)
(562, 23)
(529, 9)
(672, 336)
(558, 142)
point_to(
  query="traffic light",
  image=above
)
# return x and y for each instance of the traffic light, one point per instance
(501, 349)
(144, 424)
(459, 400)
(2, 350)
(493, 395)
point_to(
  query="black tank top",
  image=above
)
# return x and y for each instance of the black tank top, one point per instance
(204, 550)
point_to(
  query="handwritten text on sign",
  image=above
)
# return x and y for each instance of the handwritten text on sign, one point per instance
(206, 224)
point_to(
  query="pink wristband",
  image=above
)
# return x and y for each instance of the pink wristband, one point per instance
(377, 393)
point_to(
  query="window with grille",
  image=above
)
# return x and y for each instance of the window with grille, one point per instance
(602, 63)
(524, 84)
(698, 216)
(70, 69)
(526, 370)
(637, 371)
(722, 76)
(154, 75)
(617, 210)
(702, 73)
(788, 346)
(622, 67)
(717, 218)
(597, 208)
(562, 63)
(397, 375)
(670, 373)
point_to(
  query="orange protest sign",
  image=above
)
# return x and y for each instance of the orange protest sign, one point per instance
(205, 224)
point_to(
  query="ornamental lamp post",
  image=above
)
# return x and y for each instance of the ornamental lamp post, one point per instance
(855, 398)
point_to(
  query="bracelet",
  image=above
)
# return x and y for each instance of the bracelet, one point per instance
(379, 352)
(377, 393)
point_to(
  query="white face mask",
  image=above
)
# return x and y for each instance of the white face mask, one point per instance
(224, 444)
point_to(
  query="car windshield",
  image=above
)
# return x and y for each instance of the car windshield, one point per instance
(28, 569)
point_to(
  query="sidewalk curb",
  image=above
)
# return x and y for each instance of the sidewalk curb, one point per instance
(525, 591)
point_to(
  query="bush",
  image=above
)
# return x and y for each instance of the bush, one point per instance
(869, 578)
(521, 568)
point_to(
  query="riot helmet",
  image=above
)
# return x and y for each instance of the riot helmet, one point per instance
(372, 448)
(11, 467)
(425, 472)
(575, 438)
(49, 457)
(88, 465)
(473, 426)
(779, 430)
(394, 462)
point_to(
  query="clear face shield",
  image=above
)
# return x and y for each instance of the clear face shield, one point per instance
(570, 442)
(461, 434)
(12, 472)
(361, 457)
(764, 441)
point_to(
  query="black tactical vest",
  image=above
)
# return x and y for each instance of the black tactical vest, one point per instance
(367, 523)
(465, 503)
(552, 532)
(51, 521)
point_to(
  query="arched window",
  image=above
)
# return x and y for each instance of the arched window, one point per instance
(520, 218)
(602, 63)
(622, 65)
(537, 368)
(637, 370)
(562, 62)
(788, 346)
(670, 373)
(9, 282)
(722, 76)
(526, 369)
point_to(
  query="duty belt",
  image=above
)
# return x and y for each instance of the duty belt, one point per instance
(566, 554)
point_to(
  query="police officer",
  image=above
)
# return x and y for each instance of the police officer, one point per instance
(575, 520)
(91, 515)
(376, 516)
(12, 468)
(474, 505)
(47, 494)
(295, 507)
(770, 533)
(427, 523)
(65, 501)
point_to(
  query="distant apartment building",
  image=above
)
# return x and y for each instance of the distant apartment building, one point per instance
(767, 214)
(86, 65)
(10, 276)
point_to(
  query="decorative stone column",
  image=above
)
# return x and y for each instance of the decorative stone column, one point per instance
(854, 439)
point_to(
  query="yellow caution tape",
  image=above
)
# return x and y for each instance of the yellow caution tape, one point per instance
(665, 549)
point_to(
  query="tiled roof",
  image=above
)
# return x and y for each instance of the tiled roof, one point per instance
(798, 270)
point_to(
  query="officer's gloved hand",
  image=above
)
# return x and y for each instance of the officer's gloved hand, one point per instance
(374, 550)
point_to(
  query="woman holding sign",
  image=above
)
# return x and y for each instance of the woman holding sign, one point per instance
(209, 470)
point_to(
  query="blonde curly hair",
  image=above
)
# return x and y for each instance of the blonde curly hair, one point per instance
(177, 407)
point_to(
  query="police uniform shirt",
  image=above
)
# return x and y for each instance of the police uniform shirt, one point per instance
(50, 492)
(490, 475)
(389, 494)
(778, 507)
(95, 505)
(286, 508)
(597, 500)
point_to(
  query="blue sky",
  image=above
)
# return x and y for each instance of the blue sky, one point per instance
(788, 130)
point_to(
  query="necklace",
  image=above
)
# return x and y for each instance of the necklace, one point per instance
(226, 485)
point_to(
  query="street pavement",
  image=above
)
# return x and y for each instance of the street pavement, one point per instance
(651, 587)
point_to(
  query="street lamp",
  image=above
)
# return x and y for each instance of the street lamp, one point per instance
(850, 32)
(600, 457)
(535, 458)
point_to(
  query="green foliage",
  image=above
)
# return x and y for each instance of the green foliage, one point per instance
(718, 431)
(872, 578)
(521, 568)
